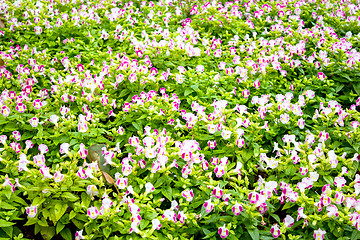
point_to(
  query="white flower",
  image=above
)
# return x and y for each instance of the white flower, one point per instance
(149, 187)
(226, 134)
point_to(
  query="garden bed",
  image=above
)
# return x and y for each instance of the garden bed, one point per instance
(179, 119)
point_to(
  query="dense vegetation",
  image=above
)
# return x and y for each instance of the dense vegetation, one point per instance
(179, 119)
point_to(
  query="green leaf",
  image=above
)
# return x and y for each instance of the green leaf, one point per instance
(107, 232)
(150, 215)
(31, 221)
(60, 210)
(38, 201)
(167, 192)
(124, 92)
(4, 223)
(47, 232)
(143, 224)
(354, 169)
(42, 222)
(254, 233)
(137, 125)
(355, 235)
(276, 217)
(72, 215)
(18, 200)
(187, 92)
(357, 88)
(7, 192)
(69, 196)
(5, 205)
(288, 205)
(8, 230)
(66, 234)
(159, 182)
(329, 180)
(59, 227)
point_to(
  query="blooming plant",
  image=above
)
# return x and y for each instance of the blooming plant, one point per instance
(179, 119)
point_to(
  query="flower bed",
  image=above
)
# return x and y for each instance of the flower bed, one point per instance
(179, 120)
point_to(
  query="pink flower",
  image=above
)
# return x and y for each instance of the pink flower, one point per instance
(208, 205)
(246, 93)
(39, 160)
(323, 136)
(34, 121)
(188, 195)
(78, 235)
(126, 107)
(134, 141)
(288, 221)
(44, 170)
(275, 231)
(31, 211)
(91, 190)
(81, 173)
(5, 111)
(142, 163)
(155, 167)
(325, 200)
(262, 208)
(223, 231)
(149, 187)
(212, 144)
(16, 135)
(126, 169)
(43, 148)
(122, 183)
(219, 170)
(20, 107)
(92, 212)
(82, 151)
(319, 234)
(214, 160)
(240, 142)
(80, 67)
(339, 182)
(339, 197)
(37, 103)
(303, 170)
(205, 165)
(38, 30)
(355, 124)
(217, 192)
(136, 218)
(64, 148)
(58, 177)
(332, 211)
(321, 76)
(301, 214)
(82, 127)
(237, 209)
(181, 216)
(254, 197)
(156, 224)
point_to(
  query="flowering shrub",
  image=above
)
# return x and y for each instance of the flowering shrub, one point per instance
(179, 120)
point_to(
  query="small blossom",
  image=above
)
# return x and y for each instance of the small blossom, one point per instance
(31, 211)
(223, 231)
(92, 212)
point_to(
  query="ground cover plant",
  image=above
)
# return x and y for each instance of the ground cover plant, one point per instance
(179, 119)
